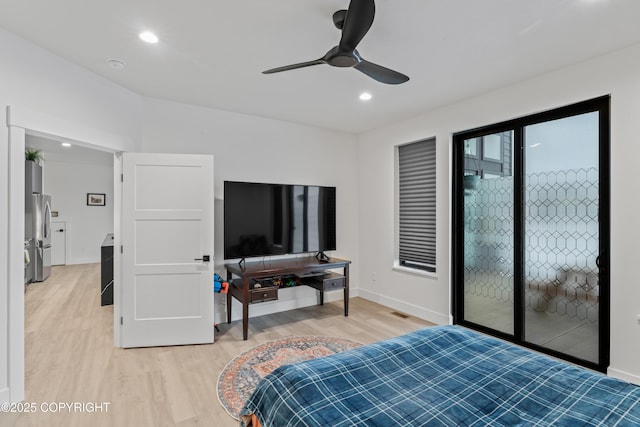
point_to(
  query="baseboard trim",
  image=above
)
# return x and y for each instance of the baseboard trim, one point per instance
(412, 309)
(76, 261)
(622, 375)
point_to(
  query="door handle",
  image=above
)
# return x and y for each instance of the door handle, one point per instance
(205, 258)
(61, 230)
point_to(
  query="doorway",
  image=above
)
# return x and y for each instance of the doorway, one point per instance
(71, 171)
(19, 120)
(531, 231)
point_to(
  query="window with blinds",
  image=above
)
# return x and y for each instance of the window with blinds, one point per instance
(417, 205)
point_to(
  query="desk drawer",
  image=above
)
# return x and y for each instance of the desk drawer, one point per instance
(328, 282)
(263, 294)
(333, 283)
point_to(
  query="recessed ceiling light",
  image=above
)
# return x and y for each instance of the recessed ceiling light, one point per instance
(66, 144)
(365, 96)
(536, 145)
(116, 64)
(149, 37)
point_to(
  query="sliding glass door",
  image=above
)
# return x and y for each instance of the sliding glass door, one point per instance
(488, 231)
(531, 231)
(562, 235)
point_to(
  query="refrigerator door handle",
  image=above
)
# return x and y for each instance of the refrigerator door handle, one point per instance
(41, 245)
(47, 220)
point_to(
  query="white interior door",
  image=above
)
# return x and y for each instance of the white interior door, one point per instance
(167, 249)
(58, 242)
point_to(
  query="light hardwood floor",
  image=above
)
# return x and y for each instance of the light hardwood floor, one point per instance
(70, 357)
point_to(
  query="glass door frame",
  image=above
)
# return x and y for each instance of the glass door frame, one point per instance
(600, 105)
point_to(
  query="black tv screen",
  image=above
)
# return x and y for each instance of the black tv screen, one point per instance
(277, 219)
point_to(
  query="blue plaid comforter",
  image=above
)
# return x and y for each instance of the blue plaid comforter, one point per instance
(441, 376)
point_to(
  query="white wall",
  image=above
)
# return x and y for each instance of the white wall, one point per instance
(87, 226)
(617, 74)
(248, 148)
(34, 78)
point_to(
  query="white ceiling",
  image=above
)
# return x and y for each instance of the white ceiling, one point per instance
(53, 151)
(211, 53)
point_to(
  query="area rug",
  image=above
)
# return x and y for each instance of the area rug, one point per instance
(239, 378)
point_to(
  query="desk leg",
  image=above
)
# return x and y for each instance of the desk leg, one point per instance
(229, 298)
(245, 309)
(346, 290)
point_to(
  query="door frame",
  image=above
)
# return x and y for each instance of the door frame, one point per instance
(601, 104)
(20, 121)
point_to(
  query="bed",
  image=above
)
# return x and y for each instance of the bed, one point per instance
(440, 376)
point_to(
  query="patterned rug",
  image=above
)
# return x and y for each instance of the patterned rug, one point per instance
(239, 378)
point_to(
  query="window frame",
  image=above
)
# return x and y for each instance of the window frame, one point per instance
(400, 263)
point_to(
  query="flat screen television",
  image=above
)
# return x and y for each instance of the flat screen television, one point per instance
(277, 219)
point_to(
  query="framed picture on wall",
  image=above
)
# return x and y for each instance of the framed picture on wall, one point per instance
(96, 199)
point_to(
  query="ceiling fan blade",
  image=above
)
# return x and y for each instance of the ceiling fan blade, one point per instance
(357, 22)
(294, 66)
(380, 73)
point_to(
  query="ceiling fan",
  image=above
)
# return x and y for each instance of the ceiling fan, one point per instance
(354, 23)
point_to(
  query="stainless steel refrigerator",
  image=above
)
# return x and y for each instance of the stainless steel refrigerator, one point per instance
(40, 211)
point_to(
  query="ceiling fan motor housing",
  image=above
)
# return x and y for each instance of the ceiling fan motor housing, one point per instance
(338, 18)
(340, 58)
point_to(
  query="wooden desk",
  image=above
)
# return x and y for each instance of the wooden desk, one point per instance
(251, 271)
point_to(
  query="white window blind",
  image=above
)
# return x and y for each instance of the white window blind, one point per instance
(417, 205)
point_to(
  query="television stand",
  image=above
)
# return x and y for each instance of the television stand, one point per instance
(304, 266)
